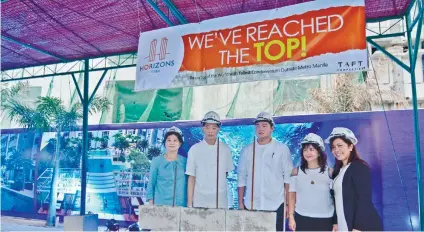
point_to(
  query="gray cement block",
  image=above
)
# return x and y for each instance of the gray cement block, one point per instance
(243, 220)
(88, 222)
(196, 219)
(159, 218)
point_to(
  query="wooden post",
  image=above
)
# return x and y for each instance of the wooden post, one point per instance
(175, 183)
(253, 173)
(35, 185)
(217, 171)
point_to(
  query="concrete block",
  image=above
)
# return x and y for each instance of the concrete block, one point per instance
(88, 222)
(159, 218)
(243, 220)
(199, 219)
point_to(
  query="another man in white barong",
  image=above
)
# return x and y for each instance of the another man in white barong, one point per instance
(270, 172)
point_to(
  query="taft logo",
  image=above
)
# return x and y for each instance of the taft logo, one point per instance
(353, 65)
(157, 56)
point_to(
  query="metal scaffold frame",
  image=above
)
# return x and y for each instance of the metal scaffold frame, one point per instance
(413, 20)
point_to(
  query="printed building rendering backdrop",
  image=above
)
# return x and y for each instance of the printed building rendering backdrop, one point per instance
(120, 154)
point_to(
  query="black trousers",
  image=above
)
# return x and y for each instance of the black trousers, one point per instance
(280, 218)
(312, 224)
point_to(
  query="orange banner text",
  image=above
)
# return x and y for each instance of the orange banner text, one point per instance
(294, 38)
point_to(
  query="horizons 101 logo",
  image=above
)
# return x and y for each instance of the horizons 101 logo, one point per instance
(160, 55)
(157, 56)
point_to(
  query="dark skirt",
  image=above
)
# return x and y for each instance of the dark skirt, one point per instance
(313, 224)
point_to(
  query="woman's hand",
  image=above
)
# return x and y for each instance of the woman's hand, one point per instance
(151, 202)
(335, 228)
(292, 223)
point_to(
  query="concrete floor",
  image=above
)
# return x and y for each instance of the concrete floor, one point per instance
(23, 224)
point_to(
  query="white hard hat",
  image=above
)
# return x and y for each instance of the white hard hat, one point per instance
(342, 132)
(211, 117)
(264, 117)
(174, 129)
(315, 139)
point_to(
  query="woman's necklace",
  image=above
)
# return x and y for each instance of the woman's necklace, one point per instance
(312, 181)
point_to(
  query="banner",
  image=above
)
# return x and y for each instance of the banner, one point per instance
(312, 38)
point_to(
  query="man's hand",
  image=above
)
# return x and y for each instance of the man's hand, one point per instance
(356, 230)
(286, 211)
(292, 223)
(240, 192)
(241, 206)
(335, 228)
(190, 190)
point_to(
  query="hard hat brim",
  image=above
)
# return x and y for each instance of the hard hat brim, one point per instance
(211, 121)
(313, 142)
(264, 120)
(353, 140)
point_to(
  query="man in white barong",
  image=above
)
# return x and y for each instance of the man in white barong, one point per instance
(268, 178)
(208, 164)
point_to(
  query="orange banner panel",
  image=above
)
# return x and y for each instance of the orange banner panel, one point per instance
(293, 38)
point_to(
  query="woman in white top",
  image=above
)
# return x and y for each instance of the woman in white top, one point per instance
(310, 204)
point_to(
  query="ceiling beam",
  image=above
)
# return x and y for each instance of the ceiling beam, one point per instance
(15, 41)
(175, 11)
(159, 12)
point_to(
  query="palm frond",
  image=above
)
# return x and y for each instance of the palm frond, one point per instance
(98, 104)
(9, 92)
(67, 120)
(18, 88)
(50, 106)
(26, 116)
